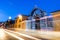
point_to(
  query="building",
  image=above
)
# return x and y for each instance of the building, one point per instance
(31, 21)
(26, 24)
(56, 20)
(50, 23)
(20, 21)
(2, 25)
(9, 23)
(35, 16)
(34, 20)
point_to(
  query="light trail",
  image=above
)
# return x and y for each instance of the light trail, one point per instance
(14, 35)
(2, 34)
(49, 34)
(47, 17)
(42, 18)
(25, 35)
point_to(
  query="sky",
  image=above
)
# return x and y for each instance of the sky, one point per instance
(15, 7)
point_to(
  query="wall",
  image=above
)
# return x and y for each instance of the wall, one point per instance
(56, 20)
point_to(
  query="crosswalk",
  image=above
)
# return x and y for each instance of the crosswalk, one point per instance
(20, 36)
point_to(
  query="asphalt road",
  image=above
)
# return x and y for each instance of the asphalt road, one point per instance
(23, 36)
(5, 36)
(27, 35)
(19, 36)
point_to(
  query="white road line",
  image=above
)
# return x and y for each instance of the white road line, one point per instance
(14, 35)
(24, 35)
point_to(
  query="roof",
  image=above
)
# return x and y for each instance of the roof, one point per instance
(55, 11)
(26, 15)
(35, 10)
(23, 15)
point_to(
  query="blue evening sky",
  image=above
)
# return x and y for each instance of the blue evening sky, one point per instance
(14, 7)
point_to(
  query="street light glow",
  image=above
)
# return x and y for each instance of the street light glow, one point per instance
(20, 16)
(9, 17)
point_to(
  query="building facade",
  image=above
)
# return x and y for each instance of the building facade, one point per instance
(20, 22)
(9, 23)
(34, 21)
(35, 17)
(56, 20)
(50, 23)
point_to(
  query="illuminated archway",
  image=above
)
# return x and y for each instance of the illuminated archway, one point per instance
(37, 14)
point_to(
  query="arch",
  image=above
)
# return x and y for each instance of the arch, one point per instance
(37, 16)
(41, 11)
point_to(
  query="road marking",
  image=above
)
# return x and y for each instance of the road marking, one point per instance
(14, 35)
(24, 35)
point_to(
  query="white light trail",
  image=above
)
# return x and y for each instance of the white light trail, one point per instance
(28, 36)
(14, 35)
(47, 17)
(2, 33)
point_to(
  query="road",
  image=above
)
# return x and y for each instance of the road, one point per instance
(6, 34)
(16, 35)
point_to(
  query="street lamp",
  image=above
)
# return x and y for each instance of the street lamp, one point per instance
(10, 17)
